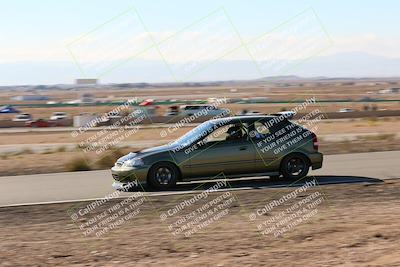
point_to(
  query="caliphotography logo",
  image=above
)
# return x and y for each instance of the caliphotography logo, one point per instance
(199, 133)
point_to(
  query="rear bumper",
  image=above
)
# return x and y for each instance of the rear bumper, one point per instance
(316, 160)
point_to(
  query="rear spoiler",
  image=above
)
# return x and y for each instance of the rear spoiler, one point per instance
(286, 115)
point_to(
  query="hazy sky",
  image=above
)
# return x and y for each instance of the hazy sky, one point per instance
(98, 36)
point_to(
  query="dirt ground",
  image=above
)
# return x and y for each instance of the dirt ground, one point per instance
(356, 225)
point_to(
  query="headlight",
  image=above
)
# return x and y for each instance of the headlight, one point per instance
(133, 162)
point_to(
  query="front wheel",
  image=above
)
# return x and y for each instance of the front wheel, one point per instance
(295, 166)
(163, 176)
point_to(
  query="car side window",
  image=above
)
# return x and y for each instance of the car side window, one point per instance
(228, 132)
(259, 130)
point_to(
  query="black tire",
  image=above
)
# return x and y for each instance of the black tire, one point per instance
(163, 175)
(295, 166)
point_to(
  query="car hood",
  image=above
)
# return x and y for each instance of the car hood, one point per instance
(145, 152)
(155, 149)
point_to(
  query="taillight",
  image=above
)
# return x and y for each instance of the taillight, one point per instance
(315, 141)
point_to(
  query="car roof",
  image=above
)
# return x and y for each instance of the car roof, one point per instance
(243, 118)
(197, 105)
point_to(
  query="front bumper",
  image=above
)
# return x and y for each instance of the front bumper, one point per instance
(129, 174)
(126, 187)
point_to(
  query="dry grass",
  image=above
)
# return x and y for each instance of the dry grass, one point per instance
(388, 137)
(387, 126)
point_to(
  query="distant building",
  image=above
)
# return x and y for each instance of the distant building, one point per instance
(30, 98)
(86, 81)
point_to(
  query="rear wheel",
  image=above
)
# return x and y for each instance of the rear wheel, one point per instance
(163, 176)
(295, 166)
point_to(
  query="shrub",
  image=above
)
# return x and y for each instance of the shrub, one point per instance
(48, 151)
(27, 151)
(78, 164)
(61, 149)
(108, 160)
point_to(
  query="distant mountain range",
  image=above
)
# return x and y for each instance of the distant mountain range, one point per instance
(355, 65)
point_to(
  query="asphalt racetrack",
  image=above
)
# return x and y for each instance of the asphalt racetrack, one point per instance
(78, 186)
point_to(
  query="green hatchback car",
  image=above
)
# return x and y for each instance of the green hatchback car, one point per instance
(233, 147)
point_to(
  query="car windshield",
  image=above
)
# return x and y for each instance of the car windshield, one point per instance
(194, 134)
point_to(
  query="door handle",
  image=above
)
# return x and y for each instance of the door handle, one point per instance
(243, 148)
